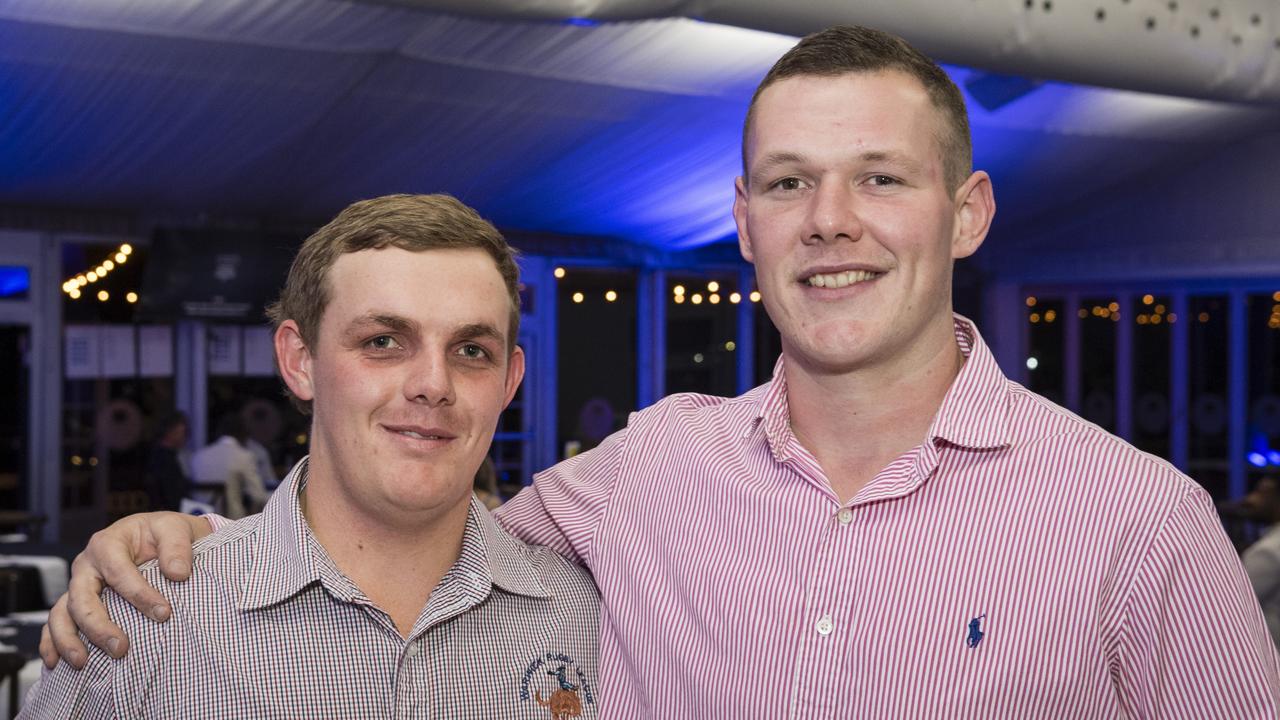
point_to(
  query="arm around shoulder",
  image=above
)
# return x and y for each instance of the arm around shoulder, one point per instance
(1192, 640)
(567, 503)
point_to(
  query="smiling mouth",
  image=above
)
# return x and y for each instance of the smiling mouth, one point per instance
(841, 279)
(419, 433)
(416, 436)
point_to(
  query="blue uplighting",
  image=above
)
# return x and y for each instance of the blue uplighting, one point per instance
(1257, 459)
(1273, 457)
(15, 281)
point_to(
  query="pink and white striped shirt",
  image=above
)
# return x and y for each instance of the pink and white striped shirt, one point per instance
(1020, 562)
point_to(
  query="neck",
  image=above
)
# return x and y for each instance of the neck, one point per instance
(857, 421)
(397, 565)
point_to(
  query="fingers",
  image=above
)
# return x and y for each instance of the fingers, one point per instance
(172, 534)
(59, 638)
(87, 614)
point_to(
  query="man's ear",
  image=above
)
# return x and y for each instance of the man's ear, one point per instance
(294, 359)
(740, 219)
(515, 373)
(975, 205)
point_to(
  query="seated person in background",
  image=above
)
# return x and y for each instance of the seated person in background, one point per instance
(227, 464)
(167, 475)
(1262, 559)
(373, 585)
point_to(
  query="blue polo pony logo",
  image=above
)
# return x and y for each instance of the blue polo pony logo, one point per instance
(975, 631)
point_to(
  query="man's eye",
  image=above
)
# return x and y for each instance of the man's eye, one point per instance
(471, 351)
(788, 183)
(883, 180)
(384, 342)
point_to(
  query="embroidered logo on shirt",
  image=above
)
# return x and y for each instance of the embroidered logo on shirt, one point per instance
(557, 683)
(975, 631)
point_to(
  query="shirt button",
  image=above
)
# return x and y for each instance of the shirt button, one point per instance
(824, 626)
(845, 516)
(412, 650)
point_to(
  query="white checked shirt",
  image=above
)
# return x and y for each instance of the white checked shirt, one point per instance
(268, 627)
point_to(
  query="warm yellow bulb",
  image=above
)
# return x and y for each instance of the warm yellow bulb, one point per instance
(755, 296)
(610, 296)
(103, 295)
(108, 265)
(131, 297)
(558, 272)
(1114, 307)
(121, 257)
(75, 293)
(735, 298)
(679, 299)
(92, 276)
(696, 298)
(1147, 299)
(713, 286)
(578, 297)
(1031, 301)
(714, 298)
(678, 290)
(127, 249)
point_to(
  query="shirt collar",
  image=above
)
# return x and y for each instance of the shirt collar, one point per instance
(974, 412)
(288, 557)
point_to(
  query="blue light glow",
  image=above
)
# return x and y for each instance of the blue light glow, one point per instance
(1273, 457)
(15, 281)
(1257, 459)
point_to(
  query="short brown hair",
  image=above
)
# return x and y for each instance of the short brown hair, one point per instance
(854, 49)
(409, 222)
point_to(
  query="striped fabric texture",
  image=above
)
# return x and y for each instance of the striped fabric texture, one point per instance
(268, 627)
(1019, 563)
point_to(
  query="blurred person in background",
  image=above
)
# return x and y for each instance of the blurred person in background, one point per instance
(1262, 559)
(168, 467)
(228, 465)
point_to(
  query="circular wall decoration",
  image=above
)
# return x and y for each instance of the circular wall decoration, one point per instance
(120, 424)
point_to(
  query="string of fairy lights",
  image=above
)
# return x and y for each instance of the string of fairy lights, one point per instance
(75, 287)
(1152, 312)
(679, 293)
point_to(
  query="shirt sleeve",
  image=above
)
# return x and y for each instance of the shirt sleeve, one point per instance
(1193, 643)
(65, 692)
(566, 504)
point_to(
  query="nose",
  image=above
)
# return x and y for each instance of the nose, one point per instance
(430, 381)
(833, 215)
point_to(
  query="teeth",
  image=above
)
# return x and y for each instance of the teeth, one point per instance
(416, 436)
(841, 279)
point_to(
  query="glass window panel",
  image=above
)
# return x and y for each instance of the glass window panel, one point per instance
(701, 333)
(1098, 317)
(1208, 365)
(1262, 319)
(1152, 334)
(596, 355)
(1045, 347)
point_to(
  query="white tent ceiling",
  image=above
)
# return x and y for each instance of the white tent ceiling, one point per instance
(629, 130)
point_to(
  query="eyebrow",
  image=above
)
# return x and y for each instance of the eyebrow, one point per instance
(771, 161)
(475, 331)
(391, 322)
(774, 159)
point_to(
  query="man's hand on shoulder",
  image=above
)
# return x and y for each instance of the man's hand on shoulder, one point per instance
(110, 560)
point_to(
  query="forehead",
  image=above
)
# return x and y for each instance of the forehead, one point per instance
(437, 289)
(851, 112)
